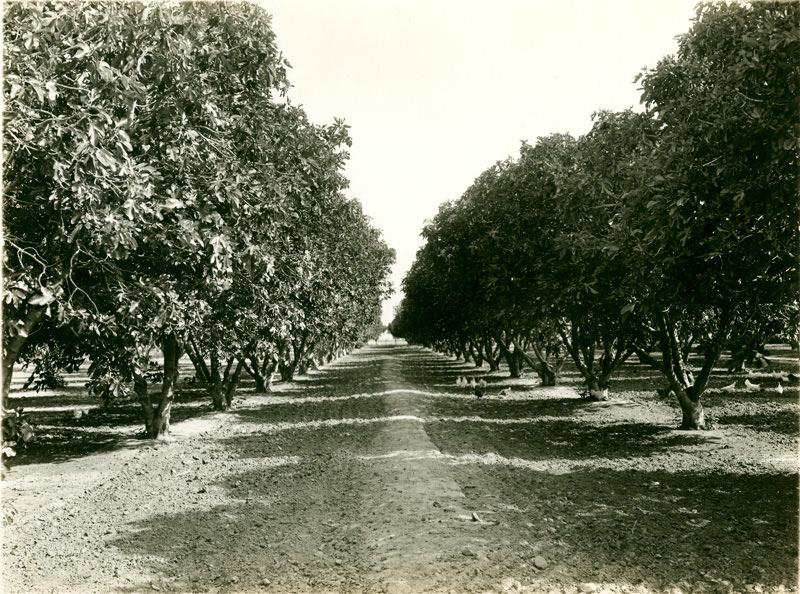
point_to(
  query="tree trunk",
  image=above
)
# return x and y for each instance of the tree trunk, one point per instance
(261, 383)
(691, 409)
(547, 376)
(582, 355)
(268, 368)
(494, 363)
(674, 366)
(513, 355)
(269, 374)
(233, 382)
(548, 373)
(512, 361)
(302, 366)
(286, 370)
(140, 388)
(14, 346)
(298, 356)
(227, 373)
(254, 369)
(201, 369)
(160, 428)
(477, 355)
(466, 352)
(520, 362)
(215, 386)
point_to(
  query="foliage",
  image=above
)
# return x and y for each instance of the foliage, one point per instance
(161, 191)
(715, 231)
(676, 227)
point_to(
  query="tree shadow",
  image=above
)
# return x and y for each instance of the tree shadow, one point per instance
(784, 422)
(654, 528)
(307, 412)
(286, 518)
(62, 444)
(561, 439)
(646, 529)
(505, 409)
(62, 435)
(67, 396)
(81, 425)
(647, 382)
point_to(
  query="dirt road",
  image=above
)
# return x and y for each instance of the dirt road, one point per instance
(378, 474)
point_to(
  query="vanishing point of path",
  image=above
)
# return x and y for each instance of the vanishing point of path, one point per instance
(378, 474)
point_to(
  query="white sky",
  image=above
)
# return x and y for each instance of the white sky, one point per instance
(436, 91)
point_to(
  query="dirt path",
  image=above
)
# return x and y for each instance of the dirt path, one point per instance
(413, 493)
(377, 474)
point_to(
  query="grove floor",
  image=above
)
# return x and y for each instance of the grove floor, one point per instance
(378, 474)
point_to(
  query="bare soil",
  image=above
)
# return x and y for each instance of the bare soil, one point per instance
(378, 474)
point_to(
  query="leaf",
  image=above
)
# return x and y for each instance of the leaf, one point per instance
(74, 232)
(83, 50)
(105, 71)
(46, 296)
(52, 92)
(129, 208)
(106, 159)
(39, 90)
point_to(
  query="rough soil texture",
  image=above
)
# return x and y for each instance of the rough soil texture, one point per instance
(378, 474)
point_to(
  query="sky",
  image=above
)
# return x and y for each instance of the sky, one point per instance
(436, 91)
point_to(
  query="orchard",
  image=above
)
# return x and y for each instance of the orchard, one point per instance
(590, 384)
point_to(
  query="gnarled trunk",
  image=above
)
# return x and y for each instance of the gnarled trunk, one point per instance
(466, 353)
(261, 371)
(596, 373)
(222, 388)
(302, 366)
(288, 367)
(673, 364)
(268, 371)
(477, 355)
(254, 370)
(547, 376)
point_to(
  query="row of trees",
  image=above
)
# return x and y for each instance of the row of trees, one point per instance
(667, 233)
(161, 192)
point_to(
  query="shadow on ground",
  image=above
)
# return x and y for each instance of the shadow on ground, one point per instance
(292, 525)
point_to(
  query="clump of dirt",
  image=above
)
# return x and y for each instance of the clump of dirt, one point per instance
(379, 474)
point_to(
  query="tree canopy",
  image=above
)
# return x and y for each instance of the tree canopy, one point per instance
(161, 191)
(658, 232)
